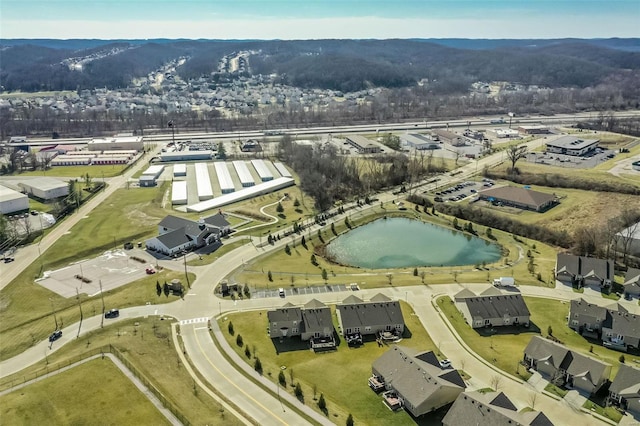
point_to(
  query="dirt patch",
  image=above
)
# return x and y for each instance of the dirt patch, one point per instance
(137, 215)
(4, 303)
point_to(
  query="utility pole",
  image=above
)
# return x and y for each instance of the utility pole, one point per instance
(173, 131)
(102, 296)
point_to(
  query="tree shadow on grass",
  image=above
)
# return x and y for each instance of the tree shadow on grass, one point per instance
(289, 344)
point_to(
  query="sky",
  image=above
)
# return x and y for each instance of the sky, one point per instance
(315, 19)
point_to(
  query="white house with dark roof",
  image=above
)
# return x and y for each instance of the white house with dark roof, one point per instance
(580, 271)
(624, 390)
(415, 380)
(490, 408)
(177, 234)
(379, 315)
(565, 367)
(492, 308)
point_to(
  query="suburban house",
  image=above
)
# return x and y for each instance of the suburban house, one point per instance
(632, 282)
(625, 390)
(580, 271)
(177, 234)
(380, 316)
(492, 308)
(490, 408)
(570, 145)
(522, 198)
(614, 325)
(564, 367)
(312, 323)
(415, 380)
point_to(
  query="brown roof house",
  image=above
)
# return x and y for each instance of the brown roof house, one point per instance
(491, 408)
(522, 198)
(564, 367)
(380, 316)
(625, 390)
(312, 323)
(632, 282)
(614, 325)
(415, 380)
(580, 271)
(492, 308)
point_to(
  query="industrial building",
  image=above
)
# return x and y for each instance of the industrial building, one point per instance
(243, 174)
(451, 138)
(505, 133)
(203, 182)
(243, 194)
(536, 129)
(12, 201)
(262, 169)
(150, 176)
(282, 169)
(166, 157)
(570, 145)
(116, 143)
(45, 188)
(179, 192)
(418, 141)
(110, 159)
(523, 198)
(179, 170)
(71, 160)
(224, 177)
(364, 145)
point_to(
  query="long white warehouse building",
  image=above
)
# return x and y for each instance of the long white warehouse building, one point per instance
(224, 177)
(12, 201)
(180, 170)
(243, 194)
(243, 174)
(203, 182)
(282, 169)
(45, 188)
(179, 192)
(262, 169)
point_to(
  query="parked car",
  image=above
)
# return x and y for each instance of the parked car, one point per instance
(8, 259)
(55, 335)
(150, 271)
(281, 292)
(445, 363)
(34, 213)
(112, 313)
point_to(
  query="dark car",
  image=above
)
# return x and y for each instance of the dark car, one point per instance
(55, 335)
(113, 313)
(8, 259)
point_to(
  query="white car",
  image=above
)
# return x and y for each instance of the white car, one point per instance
(445, 363)
(281, 292)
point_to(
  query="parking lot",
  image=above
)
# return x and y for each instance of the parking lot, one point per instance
(295, 291)
(587, 161)
(462, 190)
(114, 268)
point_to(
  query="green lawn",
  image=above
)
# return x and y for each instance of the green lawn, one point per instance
(608, 412)
(506, 349)
(298, 264)
(146, 344)
(340, 375)
(206, 259)
(92, 393)
(551, 388)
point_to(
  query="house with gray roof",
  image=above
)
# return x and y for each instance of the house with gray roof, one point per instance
(632, 282)
(522, 198)
(614, 325)
(415, 380)
(490, 408)
(177, 234)
(580, 271)
(378, 316)
(625, 390)
(312, 323)
(564, 367)
(492, 308)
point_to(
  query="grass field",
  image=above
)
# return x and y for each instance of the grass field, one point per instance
(506, 349)
(92, 393)
(298, 266)
(146, 344)
(340, 375)
(206, 259)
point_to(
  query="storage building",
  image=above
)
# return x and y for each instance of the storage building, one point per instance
(12, 201)
(224, 177)
(243, 174)
(71, 160)
(45, 188)
(150, 176)
(185, 156)
(110, 159)
(282, 169)
(179, 192)
(116, 143)
(418, 141)
(262, 169)
(179, 170)
(203, 182)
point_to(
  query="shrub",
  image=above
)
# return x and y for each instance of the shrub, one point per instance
(257, 365)
(281, 378)
(230, 328)
(239, 340)
(322, 404)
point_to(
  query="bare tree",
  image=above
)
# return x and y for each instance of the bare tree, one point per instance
(626, 236)
(515, 153)
(496, 382)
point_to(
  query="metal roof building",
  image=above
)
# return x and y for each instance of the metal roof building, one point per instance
(282, 169)
(224, 177)
(45, 188)
(180, 170)
(12, 201)
(179, 192)
(570, 145)
(185, 156)
(154, 171)
(262, 169)
(243, 173)
(203, 182)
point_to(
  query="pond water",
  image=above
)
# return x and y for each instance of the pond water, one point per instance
(401, 243)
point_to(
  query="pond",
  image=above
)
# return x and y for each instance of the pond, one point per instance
(401, 243)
